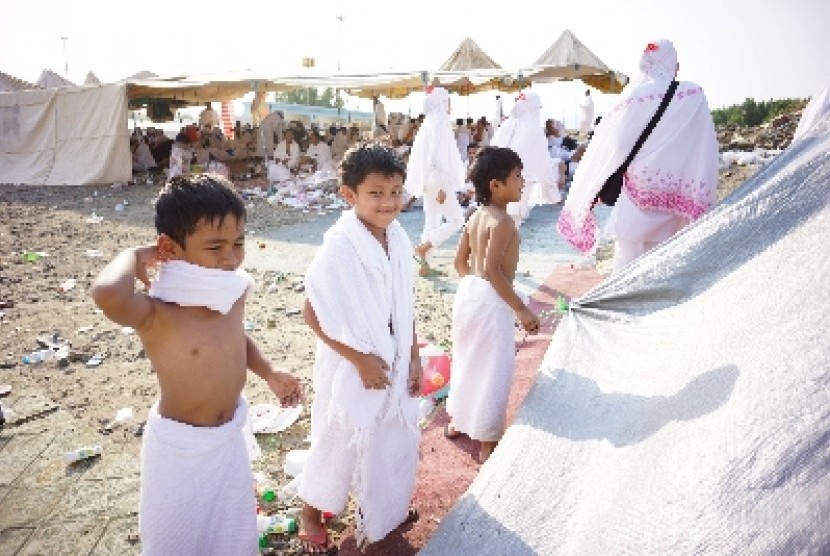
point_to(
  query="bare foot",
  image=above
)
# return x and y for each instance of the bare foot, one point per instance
(485, 451)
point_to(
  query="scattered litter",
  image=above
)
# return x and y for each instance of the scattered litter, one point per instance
(95, 360)
(119, 207)
(67, 285)
(121, 416)
(270, 418)
(82, 453)
(94, 253)
(5, 390)
(31, 256)
(85, 329)
(299, 287)
(261, 244)
(38, 356)
(127, 330)
(251, 325)
(292, 312)
(94, 219)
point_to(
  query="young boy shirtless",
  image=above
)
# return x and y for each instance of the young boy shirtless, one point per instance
(196, 482)
(485, 305)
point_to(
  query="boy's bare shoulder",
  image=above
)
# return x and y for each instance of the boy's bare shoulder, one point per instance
(491, 219)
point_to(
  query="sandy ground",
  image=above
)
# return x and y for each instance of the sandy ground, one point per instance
(54, 224)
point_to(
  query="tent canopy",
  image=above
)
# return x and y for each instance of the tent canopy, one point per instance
(569, 58)
(50, 80)
(468, 56)
(10, 83)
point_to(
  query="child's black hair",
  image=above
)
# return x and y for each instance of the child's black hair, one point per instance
(492, 163)
(362, 160)
(185, 201)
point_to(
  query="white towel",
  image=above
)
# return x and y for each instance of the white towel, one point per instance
(483, 360)
(196, 488)
(191, 285)
(356, 291)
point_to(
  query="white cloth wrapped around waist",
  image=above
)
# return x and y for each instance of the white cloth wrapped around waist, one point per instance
(476, 287)
(196, 488)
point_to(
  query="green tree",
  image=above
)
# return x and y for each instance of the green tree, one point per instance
(752, 113)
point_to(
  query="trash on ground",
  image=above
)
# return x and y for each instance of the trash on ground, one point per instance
(95, 360)
(82, 453)
(294, 462)
(67, 285)
(271, 419)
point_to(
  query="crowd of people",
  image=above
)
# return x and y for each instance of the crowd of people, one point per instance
(367, 374)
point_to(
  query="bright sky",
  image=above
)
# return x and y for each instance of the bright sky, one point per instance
(733, 48)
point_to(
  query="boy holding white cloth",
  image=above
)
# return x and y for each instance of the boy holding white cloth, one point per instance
(196, 483)
(486, 306)
(367, 373)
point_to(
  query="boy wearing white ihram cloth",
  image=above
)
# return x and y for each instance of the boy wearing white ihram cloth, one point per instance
(521, 133)
(367, 372)
(486, 306)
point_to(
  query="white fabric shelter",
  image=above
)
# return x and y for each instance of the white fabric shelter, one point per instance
(65, 136)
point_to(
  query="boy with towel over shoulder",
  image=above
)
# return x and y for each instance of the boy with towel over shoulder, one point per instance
(367, 372)
(486, 307)
(196, 482)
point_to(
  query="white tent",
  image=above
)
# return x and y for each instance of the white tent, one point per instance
(65, 136)
(683, 406)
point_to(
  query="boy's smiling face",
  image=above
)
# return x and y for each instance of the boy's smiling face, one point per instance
(213, 244)
(377, 201)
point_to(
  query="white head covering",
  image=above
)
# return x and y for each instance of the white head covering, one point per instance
(676, 170)
(523, 133)
(433, 161)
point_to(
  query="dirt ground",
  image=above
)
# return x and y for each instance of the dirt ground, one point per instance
(49, 235)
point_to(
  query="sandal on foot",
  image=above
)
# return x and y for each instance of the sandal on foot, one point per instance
(450, 432)
(317, 544)
(411, 516)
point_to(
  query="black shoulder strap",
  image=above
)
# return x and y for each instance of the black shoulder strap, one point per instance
(654, 119)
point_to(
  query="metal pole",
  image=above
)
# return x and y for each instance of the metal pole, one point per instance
(65, 58)
(340, 18)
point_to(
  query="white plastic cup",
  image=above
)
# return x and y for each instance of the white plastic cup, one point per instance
(294, 462)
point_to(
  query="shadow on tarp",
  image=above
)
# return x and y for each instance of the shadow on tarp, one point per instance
(585, 412)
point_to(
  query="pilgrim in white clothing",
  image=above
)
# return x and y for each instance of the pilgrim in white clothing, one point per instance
(522, 133)
(288, 154)
(434, 166)
(586, 113)
(198, 479)
(672, 180)
(363, 441)
(272, 125)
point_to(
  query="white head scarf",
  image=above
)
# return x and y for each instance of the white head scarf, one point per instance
(523, 133)
(676, 170)
(433, 161)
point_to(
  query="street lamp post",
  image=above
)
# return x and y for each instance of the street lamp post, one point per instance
(65, 58)
(340, 18)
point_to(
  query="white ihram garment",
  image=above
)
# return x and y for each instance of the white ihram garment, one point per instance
(434, 165)
(672, 180)
(483, 360)
(522, 133)
(815, 110)
(196, 488)
(363, 441)
(192, 285)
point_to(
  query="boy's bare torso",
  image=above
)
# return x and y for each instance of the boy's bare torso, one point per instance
(479, 230)
(199, 357)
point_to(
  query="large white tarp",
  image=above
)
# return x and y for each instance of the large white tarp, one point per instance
(683, 406)
(65, 136)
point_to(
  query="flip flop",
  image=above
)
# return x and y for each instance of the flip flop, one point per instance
(317, 544)
(450, 433)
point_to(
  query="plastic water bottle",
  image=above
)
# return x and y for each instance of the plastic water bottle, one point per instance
(82, 453)
(275, 525)
(38, 356)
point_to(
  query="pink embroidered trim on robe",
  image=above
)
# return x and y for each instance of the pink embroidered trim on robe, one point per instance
(584, 237)
(650, 190)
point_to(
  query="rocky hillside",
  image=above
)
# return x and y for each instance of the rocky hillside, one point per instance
(774, 135)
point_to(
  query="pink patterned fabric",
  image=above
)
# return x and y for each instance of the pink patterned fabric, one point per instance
(650, 189)
(581, 236)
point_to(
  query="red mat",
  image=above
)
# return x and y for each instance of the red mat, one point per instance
(446, 468)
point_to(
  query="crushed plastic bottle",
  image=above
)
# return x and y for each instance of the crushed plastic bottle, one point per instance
(82, 453)
(275, 525)
(38, 356)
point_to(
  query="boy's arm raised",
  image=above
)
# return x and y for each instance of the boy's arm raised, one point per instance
(114, 289)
